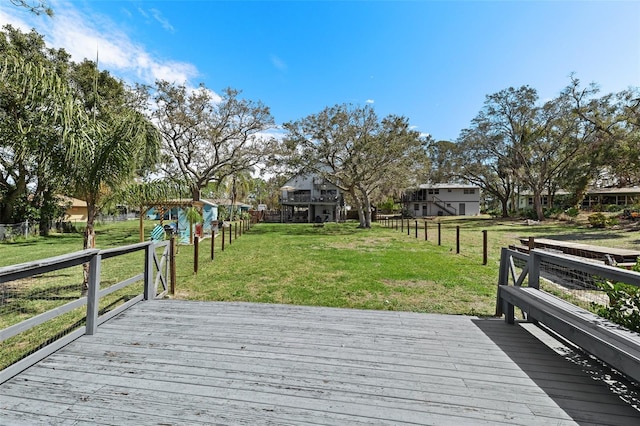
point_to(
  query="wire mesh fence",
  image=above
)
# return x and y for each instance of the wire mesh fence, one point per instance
(27, 298)
(580, 287)
(17, 230)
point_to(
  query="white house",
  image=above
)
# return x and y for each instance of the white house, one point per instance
(307, 198)
(442, 199)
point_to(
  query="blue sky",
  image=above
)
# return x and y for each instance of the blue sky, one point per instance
(430, 61)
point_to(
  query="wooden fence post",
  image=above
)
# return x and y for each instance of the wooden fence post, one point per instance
(222, 239)
(408, 226)
(457, 239)
(213, 244)
(484, 247)
(230, 232)
(416, 229)
(172, 263)
(439, 233)
(235, 228)
(196, 244)
(402, 225)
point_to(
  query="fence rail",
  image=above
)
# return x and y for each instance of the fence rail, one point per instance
(566, 274)
(153, 275)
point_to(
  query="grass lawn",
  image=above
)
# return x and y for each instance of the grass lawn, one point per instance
(340, 265)
(335, 265)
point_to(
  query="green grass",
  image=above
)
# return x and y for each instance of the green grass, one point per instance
(336, 265)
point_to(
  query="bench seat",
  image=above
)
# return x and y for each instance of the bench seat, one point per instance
(616, 345)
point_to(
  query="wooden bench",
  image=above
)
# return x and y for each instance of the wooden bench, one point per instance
(611, 343)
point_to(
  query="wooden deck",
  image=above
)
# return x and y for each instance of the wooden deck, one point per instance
(172, 362)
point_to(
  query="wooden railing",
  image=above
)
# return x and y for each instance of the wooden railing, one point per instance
(540, 263)
(154, 286)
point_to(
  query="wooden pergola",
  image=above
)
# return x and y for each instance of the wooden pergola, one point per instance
(163, 206)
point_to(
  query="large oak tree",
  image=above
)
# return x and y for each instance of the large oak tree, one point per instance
(354, 150)
(206, 138)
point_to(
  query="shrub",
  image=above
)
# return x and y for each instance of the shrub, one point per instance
(599, 220)
(624, 303)
(572, 211)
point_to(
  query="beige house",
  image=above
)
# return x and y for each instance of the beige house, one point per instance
(76, 210)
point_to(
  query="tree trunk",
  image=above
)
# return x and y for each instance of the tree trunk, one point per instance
(89, 242)
(367, 210)
(195, 193)
(505, 206)
(537, 205)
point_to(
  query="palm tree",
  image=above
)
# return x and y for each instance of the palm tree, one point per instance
(238, 186)
(116, 141)
(193, 216)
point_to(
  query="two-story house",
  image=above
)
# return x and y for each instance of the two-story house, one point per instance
(442, 199)
(307, 198)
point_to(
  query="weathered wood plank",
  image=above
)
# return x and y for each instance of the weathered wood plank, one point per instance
(172, 362)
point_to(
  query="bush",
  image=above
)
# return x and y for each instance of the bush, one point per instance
(572, 212)
(599, 220)
(624, 303)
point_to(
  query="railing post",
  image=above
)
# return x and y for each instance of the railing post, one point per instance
(93, 295)
(534, 269)
(148, 272)
(503, 277)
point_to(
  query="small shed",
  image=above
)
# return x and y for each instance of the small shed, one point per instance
(208, 210)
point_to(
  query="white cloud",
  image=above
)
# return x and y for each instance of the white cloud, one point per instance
(163, 21)
(278, 63)
(370, 101)
(85, 35)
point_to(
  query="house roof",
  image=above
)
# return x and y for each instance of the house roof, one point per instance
(445, 186)
(72, 202)
(594, 191)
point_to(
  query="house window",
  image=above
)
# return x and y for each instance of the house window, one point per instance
(416, 207)
(434, 191)
(469, 190)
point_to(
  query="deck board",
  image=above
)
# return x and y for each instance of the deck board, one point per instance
(176, 362)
